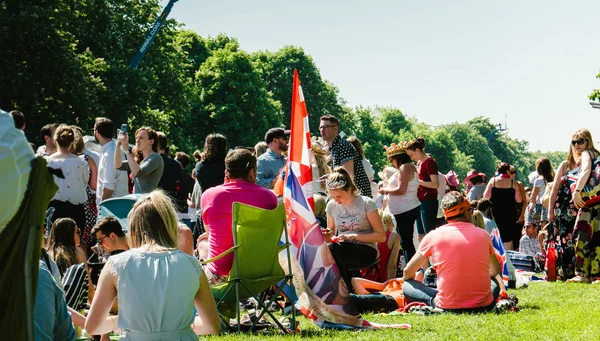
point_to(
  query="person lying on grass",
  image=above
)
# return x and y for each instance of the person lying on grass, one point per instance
(373, 296)
(463, 257)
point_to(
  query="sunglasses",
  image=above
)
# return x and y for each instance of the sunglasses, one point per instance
(578, 142)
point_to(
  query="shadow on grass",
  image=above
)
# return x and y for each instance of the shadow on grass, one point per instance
(529, 306)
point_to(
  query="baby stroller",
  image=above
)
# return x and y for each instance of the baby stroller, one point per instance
(118, 208)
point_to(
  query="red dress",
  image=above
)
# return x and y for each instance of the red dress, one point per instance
(384, 255)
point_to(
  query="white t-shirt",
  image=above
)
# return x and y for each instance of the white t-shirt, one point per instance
(108, 176)
(15, 166)
(77, 174)
(353, 218)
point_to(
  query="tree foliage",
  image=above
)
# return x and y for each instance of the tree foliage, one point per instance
(67, 61)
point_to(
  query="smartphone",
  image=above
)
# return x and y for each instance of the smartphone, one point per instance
(123, 128)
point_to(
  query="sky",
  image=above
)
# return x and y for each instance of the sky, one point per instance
(531, 62)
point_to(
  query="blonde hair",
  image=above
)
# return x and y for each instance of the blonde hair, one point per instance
(153, 220)
(260, 148)
(320, 204)
(477, 219)
(387, 219)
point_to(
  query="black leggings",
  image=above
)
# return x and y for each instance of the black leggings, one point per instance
(376, 302)
(351, 256)
(405, 226)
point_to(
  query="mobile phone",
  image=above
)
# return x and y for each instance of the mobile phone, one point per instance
(123, 128)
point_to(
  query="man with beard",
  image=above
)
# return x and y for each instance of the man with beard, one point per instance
(273, 160)
(112, 183)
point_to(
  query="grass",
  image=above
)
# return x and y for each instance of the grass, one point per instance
(549, 311)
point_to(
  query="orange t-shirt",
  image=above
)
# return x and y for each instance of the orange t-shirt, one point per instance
(460, 253)
(394, 290)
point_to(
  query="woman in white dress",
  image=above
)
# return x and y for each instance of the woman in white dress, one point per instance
(157, 285)
(69, 201)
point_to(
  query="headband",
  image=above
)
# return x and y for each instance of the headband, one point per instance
(457, 210)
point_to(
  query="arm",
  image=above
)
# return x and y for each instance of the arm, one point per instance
(329, 232)
(494, 266)
(392, 265)
(553, 196)
(488, 190)
(415, 263)
(521, 198)
(586, 169)
(349, 166)
(361, 285)
(98, 322)
(207, 321)
(77, 318)
(94, 170)
(533, 199)
(106, 193)
(434, 183)
(185, 237)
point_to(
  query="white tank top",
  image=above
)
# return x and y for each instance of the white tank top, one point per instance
(407, 201)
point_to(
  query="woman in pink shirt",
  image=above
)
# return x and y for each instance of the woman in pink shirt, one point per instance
(464, 259)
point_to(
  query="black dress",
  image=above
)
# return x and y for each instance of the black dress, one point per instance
(505, 211)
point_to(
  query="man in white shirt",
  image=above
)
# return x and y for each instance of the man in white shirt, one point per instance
(112, 183)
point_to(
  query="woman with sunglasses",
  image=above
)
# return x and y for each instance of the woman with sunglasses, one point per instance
(577, 218)
(504, 193)
(562, 210)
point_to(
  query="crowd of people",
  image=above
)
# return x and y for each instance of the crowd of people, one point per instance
(415, 218)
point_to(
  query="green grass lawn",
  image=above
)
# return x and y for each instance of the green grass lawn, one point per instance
(549, 311)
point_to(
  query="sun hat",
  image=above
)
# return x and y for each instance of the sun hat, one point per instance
(473, 173)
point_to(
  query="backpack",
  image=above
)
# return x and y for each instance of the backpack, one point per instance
(547, 193)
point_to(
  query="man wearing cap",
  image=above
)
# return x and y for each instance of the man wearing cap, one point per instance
(464, 259)
(273, 160)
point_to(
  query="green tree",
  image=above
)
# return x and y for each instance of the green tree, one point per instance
(278, 71)
(233, 100)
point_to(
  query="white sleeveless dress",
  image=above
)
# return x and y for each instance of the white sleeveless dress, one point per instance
(156, 294)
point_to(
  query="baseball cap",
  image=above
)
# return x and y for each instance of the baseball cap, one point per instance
(275, 133)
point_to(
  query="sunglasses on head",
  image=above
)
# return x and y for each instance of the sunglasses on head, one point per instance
(578, 142)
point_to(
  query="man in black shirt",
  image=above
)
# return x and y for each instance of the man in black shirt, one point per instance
(186, 182)
(172, 171)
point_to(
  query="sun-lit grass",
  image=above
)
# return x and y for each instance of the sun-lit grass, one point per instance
(549, 311)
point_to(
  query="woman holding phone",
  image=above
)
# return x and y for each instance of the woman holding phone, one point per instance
(143, 161)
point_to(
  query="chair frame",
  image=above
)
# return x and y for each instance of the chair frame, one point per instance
(237, 281)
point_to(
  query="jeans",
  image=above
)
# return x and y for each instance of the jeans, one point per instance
(405, 226)
(415, 291)
(351, 256)
(427, 220)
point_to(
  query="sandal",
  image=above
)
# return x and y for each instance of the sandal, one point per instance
(578, 279)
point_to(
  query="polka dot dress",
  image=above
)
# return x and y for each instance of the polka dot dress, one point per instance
(342, 151)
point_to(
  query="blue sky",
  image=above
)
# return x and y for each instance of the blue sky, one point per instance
(439, 61)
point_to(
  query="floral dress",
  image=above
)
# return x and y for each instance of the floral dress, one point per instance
(561, 230)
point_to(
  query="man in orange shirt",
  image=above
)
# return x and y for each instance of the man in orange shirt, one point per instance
(463, 258)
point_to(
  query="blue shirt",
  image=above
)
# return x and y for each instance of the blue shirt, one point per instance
(269, 167)
(50, 316)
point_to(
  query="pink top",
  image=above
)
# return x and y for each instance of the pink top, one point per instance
(461, 257)
(216, 216)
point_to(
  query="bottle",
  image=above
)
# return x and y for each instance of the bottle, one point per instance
(551, 262)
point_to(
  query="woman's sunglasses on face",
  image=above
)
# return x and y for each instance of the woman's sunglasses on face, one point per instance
(578, 142)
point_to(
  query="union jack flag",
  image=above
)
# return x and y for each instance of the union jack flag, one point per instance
(500, 254)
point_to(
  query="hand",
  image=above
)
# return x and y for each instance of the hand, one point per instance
(327, 234)
(347, 237)
(382, 191)
(123, 138)
(579, 203)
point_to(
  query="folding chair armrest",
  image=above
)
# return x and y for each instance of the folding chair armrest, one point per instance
(283, 246)
(230, 250)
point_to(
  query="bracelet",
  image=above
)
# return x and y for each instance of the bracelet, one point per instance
(577, 190)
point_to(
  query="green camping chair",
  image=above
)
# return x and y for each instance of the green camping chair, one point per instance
(256, 237)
